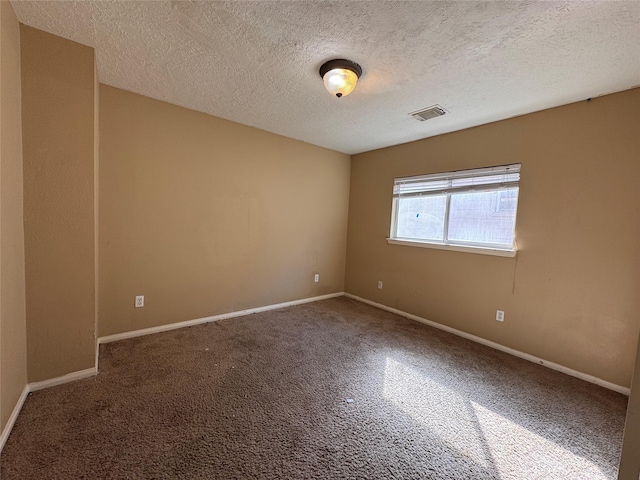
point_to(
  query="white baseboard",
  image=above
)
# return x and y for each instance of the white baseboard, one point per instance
(69, 377)
(89, 372)
(497, 346)
(14, 415)
(214, 318)
(35, 386)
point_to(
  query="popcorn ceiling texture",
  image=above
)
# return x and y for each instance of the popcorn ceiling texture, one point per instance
(257, 63)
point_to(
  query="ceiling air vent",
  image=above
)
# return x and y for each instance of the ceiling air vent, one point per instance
(428, 113)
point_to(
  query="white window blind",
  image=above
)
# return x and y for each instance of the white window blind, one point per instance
(464, 180)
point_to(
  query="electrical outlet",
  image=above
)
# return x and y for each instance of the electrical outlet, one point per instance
(500, 315)
(380, 284)
(139, 301)
(316, 278)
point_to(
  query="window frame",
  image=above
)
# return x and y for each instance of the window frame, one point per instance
(511, 179)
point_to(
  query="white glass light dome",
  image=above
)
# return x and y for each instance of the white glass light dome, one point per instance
(340, 76)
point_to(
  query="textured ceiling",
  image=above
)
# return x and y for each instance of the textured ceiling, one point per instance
(256, 62)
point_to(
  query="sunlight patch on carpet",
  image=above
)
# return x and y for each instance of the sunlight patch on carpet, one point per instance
(436, 407)
(516, 449)
(487, 438)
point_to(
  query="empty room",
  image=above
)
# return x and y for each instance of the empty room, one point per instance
(320, 240)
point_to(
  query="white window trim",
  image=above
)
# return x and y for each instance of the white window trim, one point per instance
(495, 250)
(454, 248)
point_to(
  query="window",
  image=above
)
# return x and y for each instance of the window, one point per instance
(470, 210)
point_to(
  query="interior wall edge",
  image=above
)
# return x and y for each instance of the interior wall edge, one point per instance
(629, 458)
(58, 111)
(96, 196)
(13, 355)
(531, 358)
(6, 431)
(34, 387)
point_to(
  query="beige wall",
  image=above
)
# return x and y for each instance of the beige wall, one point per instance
(13, 346)
(571, 294)
(58, 138)
(203, 216)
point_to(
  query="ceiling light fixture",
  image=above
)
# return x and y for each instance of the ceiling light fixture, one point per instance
(340, 76)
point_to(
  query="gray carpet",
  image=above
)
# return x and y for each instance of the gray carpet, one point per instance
(329, 390)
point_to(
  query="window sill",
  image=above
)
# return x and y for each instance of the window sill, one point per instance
(455, 248)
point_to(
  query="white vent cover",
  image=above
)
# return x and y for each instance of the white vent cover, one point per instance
(428, 113)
